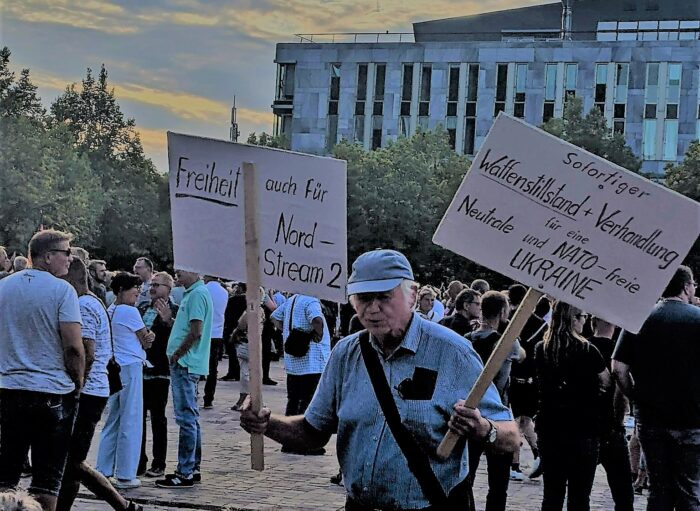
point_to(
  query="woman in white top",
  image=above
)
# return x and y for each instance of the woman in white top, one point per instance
(424, 305)
(120, 440)
(93, 398)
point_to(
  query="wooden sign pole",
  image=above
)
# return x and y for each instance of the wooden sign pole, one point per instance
(252, 261)
(494, 363)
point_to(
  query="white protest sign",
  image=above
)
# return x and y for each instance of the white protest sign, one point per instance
(302, 214)
(568, 223)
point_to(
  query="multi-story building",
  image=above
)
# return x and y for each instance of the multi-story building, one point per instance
(636, 60)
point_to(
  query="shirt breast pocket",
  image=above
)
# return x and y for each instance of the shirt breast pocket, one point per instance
(422, 418)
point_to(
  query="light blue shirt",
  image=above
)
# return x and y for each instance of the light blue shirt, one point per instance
(196, 305)
(279, 298)
(375, 472)
(306, 308)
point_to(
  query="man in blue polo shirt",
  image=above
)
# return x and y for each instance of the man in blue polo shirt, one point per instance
(188, 351)
(429, 369)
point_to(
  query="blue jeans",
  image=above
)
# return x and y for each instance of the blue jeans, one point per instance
(120, 440)
(673, 462)
(189, 448)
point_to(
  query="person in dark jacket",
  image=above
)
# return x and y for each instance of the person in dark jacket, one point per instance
(467, 312)
(159, 316)
(570, 374)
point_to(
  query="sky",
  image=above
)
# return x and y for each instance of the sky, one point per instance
(177, 64)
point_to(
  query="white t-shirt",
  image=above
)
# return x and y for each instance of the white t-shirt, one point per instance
(220, 298)
(438, 311)
(96, 327)
(126, 321)
(33, 303)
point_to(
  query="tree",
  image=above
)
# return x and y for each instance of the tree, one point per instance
(136, 213)
(18, 97)
(591, 133)
(396, 198)
(265, 140)
(685, 179)
(44, 182)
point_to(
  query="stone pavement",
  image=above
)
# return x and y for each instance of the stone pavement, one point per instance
(289, 482)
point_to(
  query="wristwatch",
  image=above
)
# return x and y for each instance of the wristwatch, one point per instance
(492, 433)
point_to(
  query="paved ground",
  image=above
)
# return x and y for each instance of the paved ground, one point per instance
(289, 482)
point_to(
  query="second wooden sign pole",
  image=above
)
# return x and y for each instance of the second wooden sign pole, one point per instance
(494, 363)
(252, 261)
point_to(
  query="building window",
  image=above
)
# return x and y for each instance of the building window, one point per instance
(550, 91)
(283, 125)
(406, 97)
(334, 95)
(651, 98)
(379, 80)
(453, 91)
(424, 97)
(360, 101)
(519, 90)
(378, 105)
(673, 95)
(376, 138)
(452, 102)
(470, 108)
(570, 77)
(333, 99)
(620, 97)
(697, 123)
(285, 82)
(649, 30)
(406, 89)
(501, 88)
(601, 85)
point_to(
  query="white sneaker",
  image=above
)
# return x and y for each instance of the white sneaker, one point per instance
(125, 484)
(517, 475)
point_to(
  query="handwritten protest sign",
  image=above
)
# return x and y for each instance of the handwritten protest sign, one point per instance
(302, 211)
(569, 223)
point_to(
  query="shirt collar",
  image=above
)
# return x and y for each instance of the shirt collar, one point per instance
(411, 339)
(200, 282)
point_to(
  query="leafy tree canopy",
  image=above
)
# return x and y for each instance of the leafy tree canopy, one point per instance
(591, 133)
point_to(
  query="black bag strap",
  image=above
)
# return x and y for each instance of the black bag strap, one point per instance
(418, 462)
(291, 315)
(110, 318)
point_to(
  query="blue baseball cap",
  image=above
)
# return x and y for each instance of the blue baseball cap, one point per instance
(378, 271)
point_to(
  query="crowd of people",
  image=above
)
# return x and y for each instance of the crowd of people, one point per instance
(386, 373)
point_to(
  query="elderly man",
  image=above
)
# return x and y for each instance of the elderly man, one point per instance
(429, 369)
(658, 368)
(188, 353)
(158, 316)
(20, 263)
(42, 367)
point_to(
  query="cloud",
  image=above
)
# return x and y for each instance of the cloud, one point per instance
(153, 140)
(98, 15)
(183, 105)
(263, 20)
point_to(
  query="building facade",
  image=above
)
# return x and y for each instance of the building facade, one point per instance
(637, 61)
